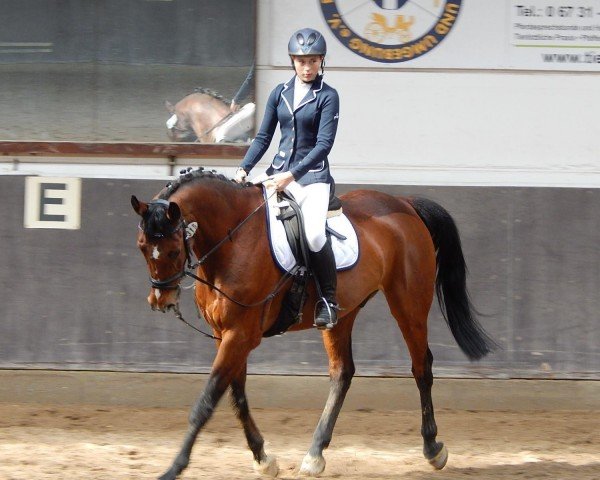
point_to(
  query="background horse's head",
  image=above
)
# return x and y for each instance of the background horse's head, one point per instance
(179, 128)
(161, 239)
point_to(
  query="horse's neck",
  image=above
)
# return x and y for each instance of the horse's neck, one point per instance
(218, 211)
(219, 111)
(209, 115)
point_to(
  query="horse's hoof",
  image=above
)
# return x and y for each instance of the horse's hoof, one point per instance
(268, 466)
(439, 460)
(168, 475)
(312, 466)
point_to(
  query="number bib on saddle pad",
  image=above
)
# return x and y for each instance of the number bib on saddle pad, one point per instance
(345, 251)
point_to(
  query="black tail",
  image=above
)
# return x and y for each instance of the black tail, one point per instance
(451, 280)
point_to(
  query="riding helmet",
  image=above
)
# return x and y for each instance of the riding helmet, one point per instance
(307, 41)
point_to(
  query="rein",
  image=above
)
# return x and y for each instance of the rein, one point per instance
(188, 232)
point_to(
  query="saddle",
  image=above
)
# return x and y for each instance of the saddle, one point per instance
(293, 223)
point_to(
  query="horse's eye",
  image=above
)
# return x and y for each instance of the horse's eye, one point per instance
(174, 254)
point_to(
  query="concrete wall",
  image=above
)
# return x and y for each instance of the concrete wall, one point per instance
(188, 32)
(76, 299)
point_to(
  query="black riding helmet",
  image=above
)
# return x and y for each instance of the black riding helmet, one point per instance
(307, 41)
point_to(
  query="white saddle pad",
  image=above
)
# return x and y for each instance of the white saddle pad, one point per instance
(345, 251)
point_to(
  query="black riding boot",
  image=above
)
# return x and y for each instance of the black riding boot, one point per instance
(323, 266)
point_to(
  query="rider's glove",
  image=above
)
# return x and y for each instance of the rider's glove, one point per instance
(240, 175)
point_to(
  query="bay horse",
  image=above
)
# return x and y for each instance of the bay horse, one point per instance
(409, 248)
(205, 117)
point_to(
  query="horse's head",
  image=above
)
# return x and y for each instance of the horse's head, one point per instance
(179, 128)
(161, 238)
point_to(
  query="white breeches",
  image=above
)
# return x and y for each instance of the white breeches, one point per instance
(314, 203)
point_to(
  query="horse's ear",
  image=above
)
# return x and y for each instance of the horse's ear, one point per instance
(173, 212)
(139, 207)
(169, 106)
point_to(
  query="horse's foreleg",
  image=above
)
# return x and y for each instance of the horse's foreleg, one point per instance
(338, 344)
(263, 463)
(229, 362)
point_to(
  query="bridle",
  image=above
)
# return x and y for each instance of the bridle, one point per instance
(188, 231)
(166, 284)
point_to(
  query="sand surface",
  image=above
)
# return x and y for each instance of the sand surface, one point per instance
(39, 441)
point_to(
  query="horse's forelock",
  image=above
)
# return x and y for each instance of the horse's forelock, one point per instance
(155, 223)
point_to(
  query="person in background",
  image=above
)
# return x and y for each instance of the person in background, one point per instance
(243, 91)
(307, 111)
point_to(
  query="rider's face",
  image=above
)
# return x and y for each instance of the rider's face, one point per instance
(307, 66)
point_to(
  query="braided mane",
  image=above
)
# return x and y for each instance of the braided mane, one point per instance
(212, 93)
(190, 176)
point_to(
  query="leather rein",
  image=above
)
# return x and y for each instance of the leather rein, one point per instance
(188, 230)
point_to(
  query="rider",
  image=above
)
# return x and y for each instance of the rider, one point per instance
(239, 124)
(244, 90)
(307, 110)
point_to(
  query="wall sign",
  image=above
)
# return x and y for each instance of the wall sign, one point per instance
(390, 31)
(52, 202)
(554, 34)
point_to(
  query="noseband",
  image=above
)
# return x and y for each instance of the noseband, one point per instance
(166, 284)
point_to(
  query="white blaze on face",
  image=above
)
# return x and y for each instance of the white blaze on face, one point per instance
(155, 253)
(157, 293)
(171, 122)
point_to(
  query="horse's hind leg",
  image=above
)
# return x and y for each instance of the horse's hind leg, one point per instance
(263, 463)
(413, 324)
(435, 452)
(338, 343)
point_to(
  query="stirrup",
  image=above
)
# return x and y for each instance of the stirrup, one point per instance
(330, 310)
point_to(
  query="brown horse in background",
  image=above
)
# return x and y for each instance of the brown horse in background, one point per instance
(403, 243)
(196, 116)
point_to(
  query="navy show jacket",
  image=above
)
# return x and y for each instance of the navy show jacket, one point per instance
(307, 132)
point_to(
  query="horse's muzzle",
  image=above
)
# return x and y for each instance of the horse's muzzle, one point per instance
(163, 300)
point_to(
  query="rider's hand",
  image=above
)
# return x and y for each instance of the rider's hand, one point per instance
(282, 180)
(240, 175)
(234, 107)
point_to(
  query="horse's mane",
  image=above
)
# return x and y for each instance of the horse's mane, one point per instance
(189, 176)
(155, 223)
(211, 93)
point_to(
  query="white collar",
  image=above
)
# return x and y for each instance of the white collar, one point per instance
(300, 90)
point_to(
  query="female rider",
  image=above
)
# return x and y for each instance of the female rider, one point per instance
(307, 110)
